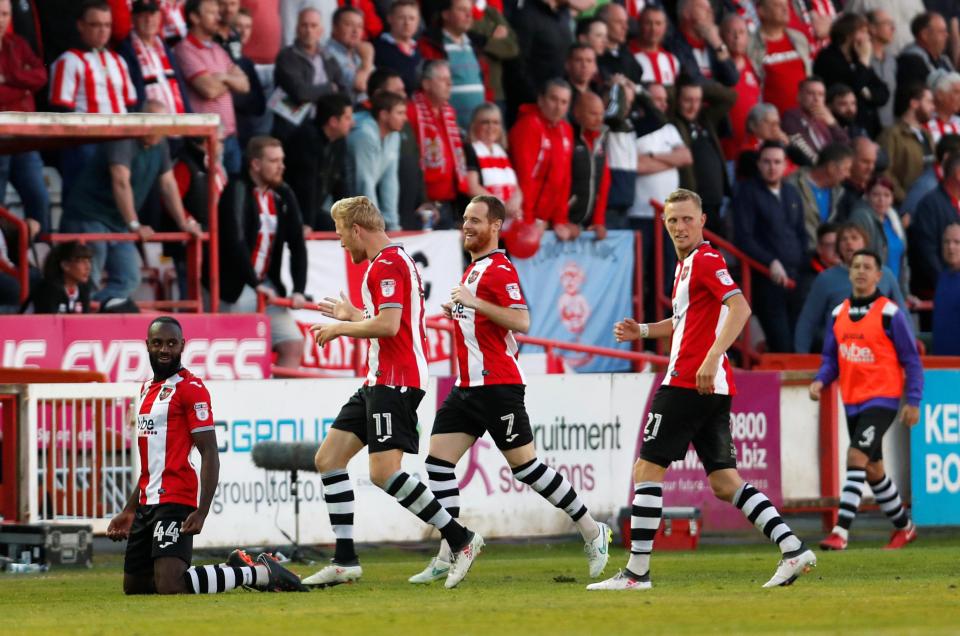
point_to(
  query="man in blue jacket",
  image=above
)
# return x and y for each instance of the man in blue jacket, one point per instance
(769, 227)
(373, 154)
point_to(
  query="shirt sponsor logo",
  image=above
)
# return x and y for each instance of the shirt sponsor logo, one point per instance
(387, 287)
(857, 354)
(513, 290)
(724, 277)
(203, 411)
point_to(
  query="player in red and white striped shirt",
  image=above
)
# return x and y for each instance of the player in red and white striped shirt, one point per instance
(693, 401)
(382, 415)
(92, 79)
(487, 308)
(162, 514)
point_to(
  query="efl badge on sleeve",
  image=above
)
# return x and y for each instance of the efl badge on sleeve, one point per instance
(203, 411)
(513, 290)
(724, 277)
(387, 287)
(165, 392)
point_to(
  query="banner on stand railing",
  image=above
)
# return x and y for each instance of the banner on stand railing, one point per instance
(219, 346)
(576, 291)
(439, 255)
(935, 452)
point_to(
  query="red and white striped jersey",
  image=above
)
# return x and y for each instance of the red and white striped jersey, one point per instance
(168, 413)
(661, 65)
(92, 82)
(701, 284)
(486, 352)
(496, 172)
(938, 128)
(393, 281)
(266, 232)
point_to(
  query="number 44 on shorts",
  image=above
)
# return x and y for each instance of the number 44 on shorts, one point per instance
(172, 533)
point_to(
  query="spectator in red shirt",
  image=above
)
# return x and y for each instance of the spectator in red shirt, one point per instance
(541, 147)
(590, 174)
(780, 56)
(434, 121)
(265, 43)
(733, 30)
(21, 75)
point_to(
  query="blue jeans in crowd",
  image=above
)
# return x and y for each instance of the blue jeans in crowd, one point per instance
(232, 156)
(25, 172)
(120, 260)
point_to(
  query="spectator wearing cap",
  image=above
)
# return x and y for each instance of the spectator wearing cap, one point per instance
(769, 217)
(926, 53)
(780, 55)
(153, 68)
(847, 61)
(397, 48)
(21, 75)
(212, 76)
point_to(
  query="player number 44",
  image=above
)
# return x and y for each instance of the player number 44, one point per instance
(172, 533)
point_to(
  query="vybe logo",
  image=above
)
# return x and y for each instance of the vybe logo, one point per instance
(853, 352)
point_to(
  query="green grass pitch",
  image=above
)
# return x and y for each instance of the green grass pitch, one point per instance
(527, 589)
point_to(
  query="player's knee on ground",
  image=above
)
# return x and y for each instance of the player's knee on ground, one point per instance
(168, 576)
(137, 584)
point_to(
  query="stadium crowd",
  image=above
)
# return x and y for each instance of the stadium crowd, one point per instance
(810, 129)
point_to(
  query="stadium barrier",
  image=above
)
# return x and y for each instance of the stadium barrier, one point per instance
(21, 132)
(21, 271)
(77, 442)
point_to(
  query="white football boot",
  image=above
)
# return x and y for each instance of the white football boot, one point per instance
(789, 570)
(598, 550)
(621, 582)
(334, 574)
(434, 572)
(463, 559)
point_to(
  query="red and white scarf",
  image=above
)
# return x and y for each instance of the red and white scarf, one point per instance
(433, 159)
(174, 25)
(496, 173)
(161, 81)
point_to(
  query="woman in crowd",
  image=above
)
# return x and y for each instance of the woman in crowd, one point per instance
(488, 165)
(885, 234)
(65, 287)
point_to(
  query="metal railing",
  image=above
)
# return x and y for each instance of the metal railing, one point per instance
(82, 459)
(748, 265)
(442, 324)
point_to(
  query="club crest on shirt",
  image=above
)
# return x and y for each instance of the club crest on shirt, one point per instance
(474, 275)
(513, 291)
(203, 411)
(387, 287)
(165, 392)
(724, 277)
(685, 272)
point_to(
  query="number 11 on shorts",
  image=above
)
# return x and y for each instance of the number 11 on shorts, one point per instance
(381, 419)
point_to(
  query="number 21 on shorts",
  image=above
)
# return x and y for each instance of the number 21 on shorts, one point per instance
(652, 427)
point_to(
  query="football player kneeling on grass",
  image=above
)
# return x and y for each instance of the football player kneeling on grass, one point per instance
(162, 515)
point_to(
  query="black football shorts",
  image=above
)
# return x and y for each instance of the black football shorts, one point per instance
(383, 417)
(867, 429)
(155, 534)
(497, 408)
